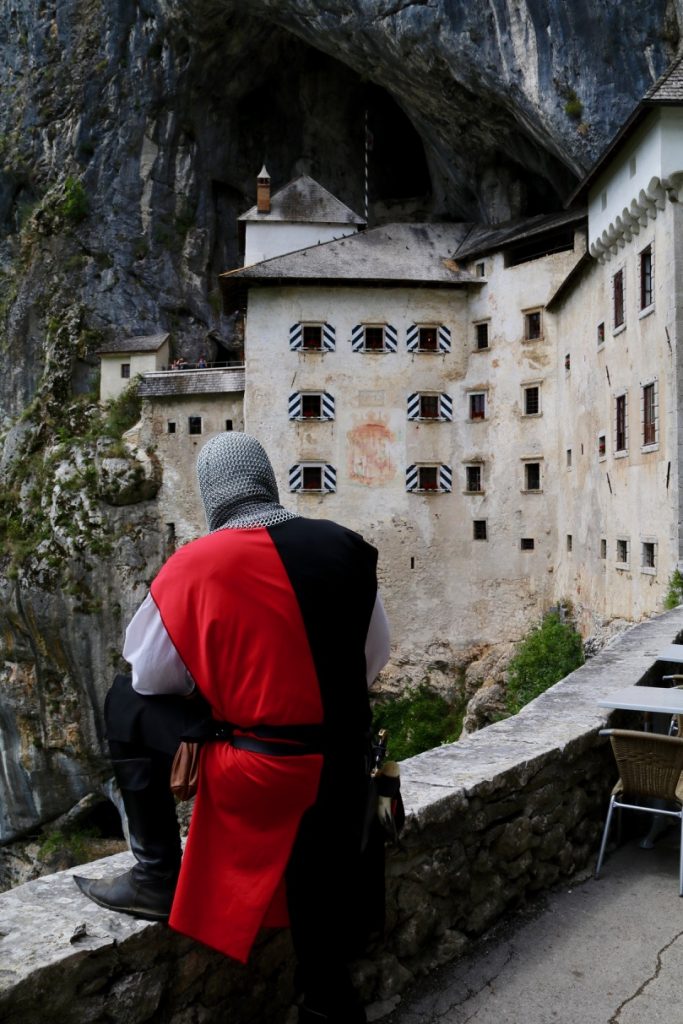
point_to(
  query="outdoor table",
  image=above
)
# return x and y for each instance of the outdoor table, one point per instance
(665, 700)
(673, 652)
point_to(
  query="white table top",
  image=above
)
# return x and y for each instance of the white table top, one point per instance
(667, 700)
(673, 652)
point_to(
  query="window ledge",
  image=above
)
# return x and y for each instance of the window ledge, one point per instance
(374, 351)
(537, 490)
(650, 570)
(532, 415)
(475, 493)
(647, 448)
(647, 311)
(487, 348)
(477, 419)
(621, 454)
(618, 330)
(530, 341)
(601, 346)
(623, 566)
(602, 458)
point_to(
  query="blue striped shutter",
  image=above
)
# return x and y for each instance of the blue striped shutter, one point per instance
(414, 406)
(390, 338)
(446, 407)
(327, 405)
(329, 338)
(445, 478)
(357, 338)
(295, 405)
(444, 339)
(411, 478)
(413, 338)
(296, 477)
(296, 337)
(329, 478)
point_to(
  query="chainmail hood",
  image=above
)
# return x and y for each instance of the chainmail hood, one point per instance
(237, 484)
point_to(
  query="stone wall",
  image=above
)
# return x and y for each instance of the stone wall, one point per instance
(494, 818)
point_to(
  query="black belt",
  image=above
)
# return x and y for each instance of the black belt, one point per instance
(274, 740)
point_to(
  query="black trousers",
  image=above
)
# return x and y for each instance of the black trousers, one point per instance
(335, 894)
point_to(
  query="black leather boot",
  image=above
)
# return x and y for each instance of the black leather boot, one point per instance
(146, 890)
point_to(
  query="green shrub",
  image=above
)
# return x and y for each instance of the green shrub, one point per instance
(122, 412)
(418, 720)
(674, 595)
(573, 107)
(75, 205)
(549, 653)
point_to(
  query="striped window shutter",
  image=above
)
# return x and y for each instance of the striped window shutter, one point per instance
(390, 338)
(296, 337)
(329, 338)
(411, 478)
(446, 407)
(296, 477)
(357, 338)
(444, 339)
(445, 478)
(413, 338)
(329, 478)
(327, 406)
(295, 405)
(414, 406)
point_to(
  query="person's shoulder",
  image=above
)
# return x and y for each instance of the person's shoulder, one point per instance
(329, 528)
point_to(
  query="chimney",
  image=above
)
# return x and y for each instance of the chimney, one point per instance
(263, 191)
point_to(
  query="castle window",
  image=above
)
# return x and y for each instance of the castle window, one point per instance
(374, 338)
(532, 325)
(312, 337)
(312, 477)
(532, 476)
(621, 436)
(569, 458)
(473, 479)
(527, 544)
(479, 529)
(429, 479)
(125, 371)
(309, 337)
(649, 404)
(532, 400)
(480, 269)
(477, 405)
(567, 361)
(601, 334)
(428, 341)
(646, 281)
(311, 405)
(481, 336)
(648, 558)
(603, 547)
(422, 338)
(622, 553)
(618, 299)
(602, 446)
(170, 426)
(570, 543)
(425, 406)
(228, 425)
(194, 424)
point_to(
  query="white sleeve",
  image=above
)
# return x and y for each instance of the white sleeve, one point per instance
(377, 644)
(155, 663)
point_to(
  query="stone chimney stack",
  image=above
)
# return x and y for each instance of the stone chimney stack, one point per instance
(263, 191)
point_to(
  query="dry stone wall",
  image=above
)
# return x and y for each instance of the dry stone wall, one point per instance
(494, 818)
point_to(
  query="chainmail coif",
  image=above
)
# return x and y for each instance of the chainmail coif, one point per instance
(237, 484)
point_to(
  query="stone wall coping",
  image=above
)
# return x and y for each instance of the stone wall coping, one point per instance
(48, 924)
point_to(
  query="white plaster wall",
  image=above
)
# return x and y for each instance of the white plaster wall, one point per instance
(445, 592)
(618, 496)
(111, 381)
(178, 500)
(265, 239)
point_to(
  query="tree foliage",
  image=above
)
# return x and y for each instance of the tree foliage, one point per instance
(549, 653)
(418, 720)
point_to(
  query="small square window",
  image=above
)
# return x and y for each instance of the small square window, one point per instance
(482, 336)
(478, 406)
(532, 325)
(427, 478)
(602, 446)
(312, 478)
(311, 407)
(170, 426)
(473, 479)
(532, 476)
(479, 529)
(601, 334)
(125, 371)
(312, 337)
(532, 401)
(374, 339)
(428, 340)
(429, 407)
(194, 425)
(603, 547)
(480, 269)
(569, 458)
(648, 559)
(567, 361)
(570, 543)
(622, 552)
(228, 425)
(527, 543)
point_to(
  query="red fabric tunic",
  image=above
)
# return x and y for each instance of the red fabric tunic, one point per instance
(229, 608)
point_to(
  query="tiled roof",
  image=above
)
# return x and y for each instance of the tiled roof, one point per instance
(146, 343)
(485, 238)
(669, 87)
(305, 201)
(393, 253)
(170, 383)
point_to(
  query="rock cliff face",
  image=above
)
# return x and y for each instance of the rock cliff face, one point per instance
(130, 135)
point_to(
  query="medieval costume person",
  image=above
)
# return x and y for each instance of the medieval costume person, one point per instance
(270, 625)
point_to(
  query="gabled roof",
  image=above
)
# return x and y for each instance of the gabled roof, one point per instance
(303, 200)
(666, 91)
(145, 343)
(417, 254)
(173, 383)
(485, 238)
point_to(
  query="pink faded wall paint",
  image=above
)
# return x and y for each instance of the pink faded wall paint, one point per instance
(369, 459)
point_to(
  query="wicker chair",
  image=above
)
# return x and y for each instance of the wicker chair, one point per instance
(650, 767)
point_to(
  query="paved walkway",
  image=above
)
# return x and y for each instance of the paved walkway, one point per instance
(605, 952)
